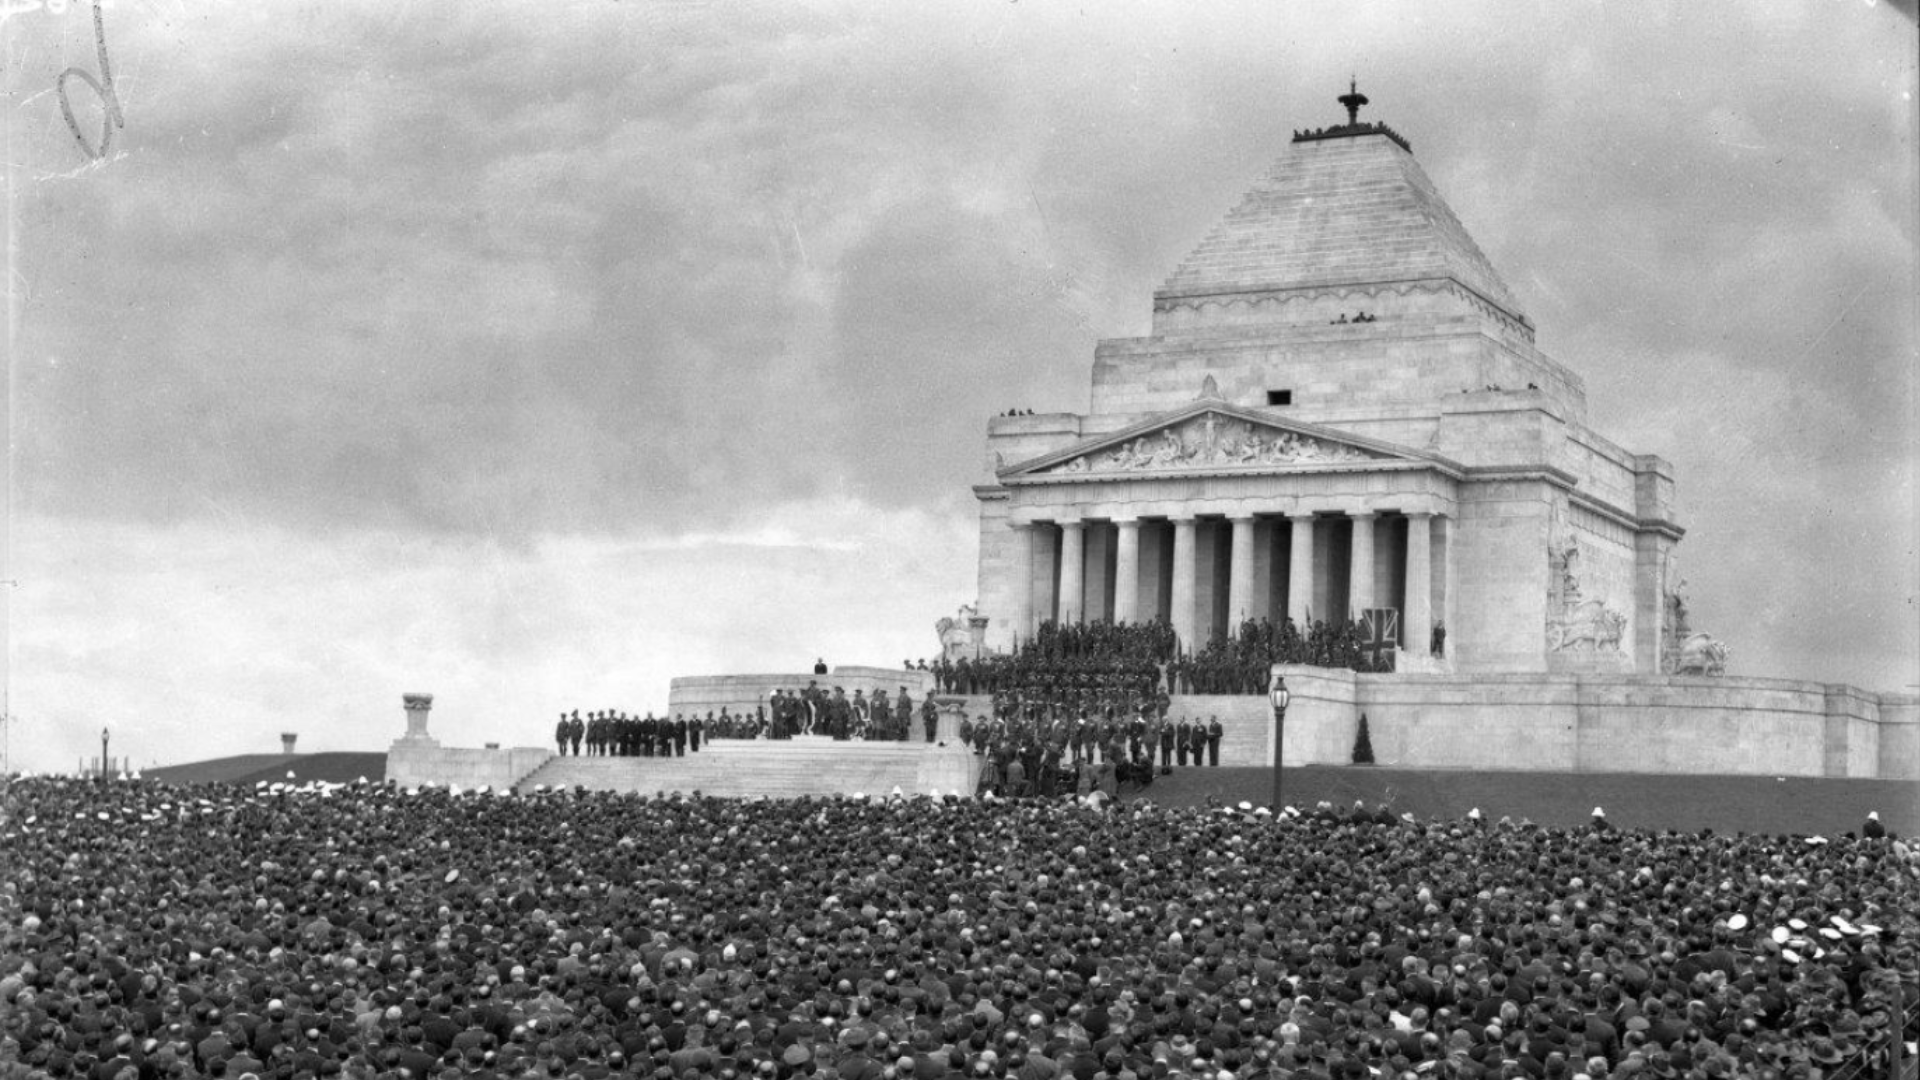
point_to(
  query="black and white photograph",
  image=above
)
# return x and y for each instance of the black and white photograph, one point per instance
(1361, 540)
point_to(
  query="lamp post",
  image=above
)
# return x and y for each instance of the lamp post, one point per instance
(103, 755)
(1280, 699)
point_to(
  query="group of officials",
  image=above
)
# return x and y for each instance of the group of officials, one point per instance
(815, 710)
(615, 734)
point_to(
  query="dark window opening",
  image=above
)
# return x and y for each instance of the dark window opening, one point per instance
(1279, 397)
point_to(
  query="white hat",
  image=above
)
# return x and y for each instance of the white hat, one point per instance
(1737, 922)
(1597, 812)
(1873, 815)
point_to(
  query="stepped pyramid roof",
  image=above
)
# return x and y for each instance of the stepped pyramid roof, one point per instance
(1346, 205)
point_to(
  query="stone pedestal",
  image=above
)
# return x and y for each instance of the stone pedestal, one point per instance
(417, 706)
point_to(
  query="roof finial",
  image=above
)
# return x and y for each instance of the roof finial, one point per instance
(1353, 99)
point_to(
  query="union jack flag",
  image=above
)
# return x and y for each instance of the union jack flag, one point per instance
(1382, 637)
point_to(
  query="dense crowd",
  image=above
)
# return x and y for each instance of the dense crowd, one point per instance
(156, 932)
(1107, 669)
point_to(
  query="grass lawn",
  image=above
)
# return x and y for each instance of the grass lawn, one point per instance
(1762, 804)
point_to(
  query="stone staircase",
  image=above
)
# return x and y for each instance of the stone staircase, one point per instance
(788, 768)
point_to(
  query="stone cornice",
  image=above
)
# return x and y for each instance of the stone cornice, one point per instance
(1387, 455)
(1207, 471)
(1166, 299)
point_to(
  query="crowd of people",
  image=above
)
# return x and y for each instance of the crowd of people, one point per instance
(155, 932)
(813, 710)
(1103, 668)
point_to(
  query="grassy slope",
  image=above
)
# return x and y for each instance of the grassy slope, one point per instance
(1722, 803)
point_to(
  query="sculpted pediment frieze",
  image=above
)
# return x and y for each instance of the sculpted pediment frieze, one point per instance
(1213, 440)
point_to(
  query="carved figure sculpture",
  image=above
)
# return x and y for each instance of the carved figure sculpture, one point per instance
(1170, 451)
(956, 633)
(1702, 654)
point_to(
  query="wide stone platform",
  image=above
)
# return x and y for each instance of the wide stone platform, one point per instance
(786, 768)
(1676, 725)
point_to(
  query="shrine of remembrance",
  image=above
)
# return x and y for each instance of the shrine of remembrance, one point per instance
(1340, 415)
(1340, 408)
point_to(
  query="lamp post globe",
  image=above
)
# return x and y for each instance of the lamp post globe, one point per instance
(1280, 697)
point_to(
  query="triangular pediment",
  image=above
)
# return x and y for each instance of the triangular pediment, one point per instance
(1214, 436)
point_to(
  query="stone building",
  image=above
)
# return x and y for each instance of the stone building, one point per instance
(1340, 407)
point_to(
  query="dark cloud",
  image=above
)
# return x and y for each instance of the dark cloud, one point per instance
(627, 268)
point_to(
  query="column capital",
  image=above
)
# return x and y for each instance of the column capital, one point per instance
(1359, 514)
(1182, 519)
(1075, 523)
(1420, 513)
(1238, 518)
(1126, 522)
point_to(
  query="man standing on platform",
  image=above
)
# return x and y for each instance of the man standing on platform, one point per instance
(693, 733)
(560, 734)
(930, 718)
(839, 715)
(1197, 743)
(576, 730)
(1215, 732)
(1181, 734)
(1166, 742)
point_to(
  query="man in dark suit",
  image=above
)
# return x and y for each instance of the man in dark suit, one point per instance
(1215, 732)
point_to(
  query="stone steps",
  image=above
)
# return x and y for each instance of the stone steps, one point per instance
(780, 769)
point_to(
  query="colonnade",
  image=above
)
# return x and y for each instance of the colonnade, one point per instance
(1207, 573)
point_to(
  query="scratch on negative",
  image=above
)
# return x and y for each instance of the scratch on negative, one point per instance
(1828, 329)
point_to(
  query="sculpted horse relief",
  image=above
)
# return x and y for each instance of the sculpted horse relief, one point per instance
(1588, 625)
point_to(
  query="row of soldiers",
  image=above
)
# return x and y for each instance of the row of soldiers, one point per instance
(1047, 702)
(615, 734)
(1107, 740)
(816, 711)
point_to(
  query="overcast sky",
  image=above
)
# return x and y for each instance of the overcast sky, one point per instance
(532, 354)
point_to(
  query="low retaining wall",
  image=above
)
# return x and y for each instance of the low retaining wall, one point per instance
(424, 762)
(1604, 723)
(703, 694)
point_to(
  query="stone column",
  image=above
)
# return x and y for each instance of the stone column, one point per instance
(1022, 584)
(1240, 575)
(1419, 615)
(1126, 572)
(1360, 580)
(1300, 570)
(1073, 584)
(1183, 571)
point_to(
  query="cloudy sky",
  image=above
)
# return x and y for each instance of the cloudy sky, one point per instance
(530, 354)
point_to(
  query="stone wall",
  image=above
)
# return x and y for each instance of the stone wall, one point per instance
(1605, 723)
(424, 762)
